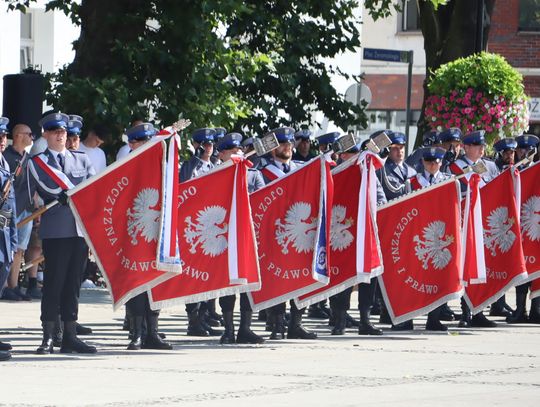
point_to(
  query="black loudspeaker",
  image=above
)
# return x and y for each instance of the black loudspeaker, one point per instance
(23, 100)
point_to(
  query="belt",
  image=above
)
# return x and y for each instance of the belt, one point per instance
(5, 218)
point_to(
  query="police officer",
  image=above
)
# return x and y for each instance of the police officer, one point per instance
(138, 307)
(220, 132)
(429, 139)
(303, 146)
(278, 165)
(432, 159)
(505, 150)
(341, 302)
(228, 146)
(474, 144)
(199, 164)
(525, 144)
(394, 174)
(65, 251)
(325, 145)
(74, 132)
(394, 177)
(450, 141)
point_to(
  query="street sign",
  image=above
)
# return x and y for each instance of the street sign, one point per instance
(534, 109)
(358, 92)
(389, 55)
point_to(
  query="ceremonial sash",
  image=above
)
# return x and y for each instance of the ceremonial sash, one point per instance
(505, 264)
(530, 219)
(217, 240)
(354, 246)
(272, 172)
(59, 178)
(119, 211)
(421, 251)
(292, 225)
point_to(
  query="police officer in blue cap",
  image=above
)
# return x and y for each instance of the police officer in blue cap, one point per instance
(220, 132)
(201, 162)
(340, 303)
(227, 147)
(450, 140)
(138, 308)
(64, 248)
(73, 129)
(279, 165)
(505, 150)
(429, 139)
(474, 144)
(325, 144)
(395, 172)
(526, 144)
(303, 146)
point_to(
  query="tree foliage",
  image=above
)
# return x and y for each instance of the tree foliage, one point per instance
(248, 65)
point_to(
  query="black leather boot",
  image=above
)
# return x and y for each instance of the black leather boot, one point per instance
(213, 314)
(318, 310)
(47, 343)
(261, 315)
(72, 344)
(500, 308)
(465, 320)
(206, 326)
(446, 314)
(58, 332)
(136, 324)
(350, 321)
(480, 321)
(277, 320)
(194, 324)
(295, 330)
(404, 326)
(534, 315)
(245, 334)
(228, 336)
(83, 330)
(384, 316)
(519, 316)
(5, 355)
(433, 322)
(366, 328)
(152, 339)
(340, 321)
(5, 346)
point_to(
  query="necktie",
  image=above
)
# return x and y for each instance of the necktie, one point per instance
(286, 168)
(60, 159)
(431, 179)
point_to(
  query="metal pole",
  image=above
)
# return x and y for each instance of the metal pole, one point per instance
(480, 25)
(409, 90)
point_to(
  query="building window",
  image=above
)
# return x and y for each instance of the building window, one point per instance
(409, 18)
(27, 40)
(529, 15)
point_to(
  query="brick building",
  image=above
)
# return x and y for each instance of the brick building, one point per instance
(514, 33)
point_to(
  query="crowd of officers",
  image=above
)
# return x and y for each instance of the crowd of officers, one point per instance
(26, 186)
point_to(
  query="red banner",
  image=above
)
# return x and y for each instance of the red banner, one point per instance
(530, 219)
(217, 242)
(505, 264)
(292, 225)
(119, 211)
(421, 249)
(352, 260)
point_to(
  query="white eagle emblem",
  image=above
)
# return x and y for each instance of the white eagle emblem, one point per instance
(141, 218)
(208, 231)
(340, 237)
(499, 235)
(299, 229)
(434, 246)
(530, 218)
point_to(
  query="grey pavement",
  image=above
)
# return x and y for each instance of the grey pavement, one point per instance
(477, 367)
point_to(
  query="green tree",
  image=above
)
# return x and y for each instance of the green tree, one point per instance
(247, 65)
